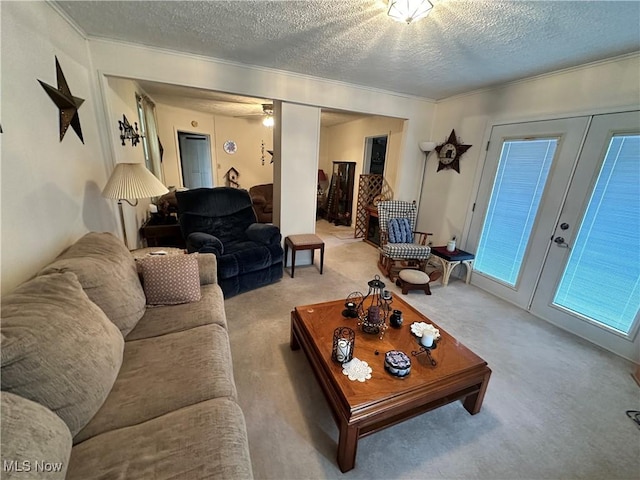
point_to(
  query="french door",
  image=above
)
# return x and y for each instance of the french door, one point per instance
(557, 224)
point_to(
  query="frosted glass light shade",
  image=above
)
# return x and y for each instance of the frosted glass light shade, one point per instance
(408, 11)
(131, 181)
(427, 146)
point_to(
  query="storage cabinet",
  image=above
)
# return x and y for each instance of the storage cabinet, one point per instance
(340, 198)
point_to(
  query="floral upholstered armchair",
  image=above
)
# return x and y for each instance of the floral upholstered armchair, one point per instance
(401, 246)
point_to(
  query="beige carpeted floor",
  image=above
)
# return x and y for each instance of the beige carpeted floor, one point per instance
(554, 409)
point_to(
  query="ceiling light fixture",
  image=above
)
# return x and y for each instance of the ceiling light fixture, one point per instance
(268, 111)
(408, 11)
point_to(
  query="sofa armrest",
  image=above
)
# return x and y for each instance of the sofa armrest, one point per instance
(204, 243)
(208, 266)
(264, 233)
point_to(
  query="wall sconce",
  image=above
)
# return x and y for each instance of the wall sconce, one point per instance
(127, 132)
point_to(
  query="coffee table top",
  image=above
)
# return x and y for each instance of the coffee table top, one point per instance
(454, 361)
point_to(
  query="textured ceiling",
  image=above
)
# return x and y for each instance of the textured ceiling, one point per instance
(460, 46)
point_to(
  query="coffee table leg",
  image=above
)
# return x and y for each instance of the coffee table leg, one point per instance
(347, 447)
(473, 403)
(293, 341)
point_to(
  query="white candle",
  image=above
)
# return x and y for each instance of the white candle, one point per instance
(426, 340)
(343, 350)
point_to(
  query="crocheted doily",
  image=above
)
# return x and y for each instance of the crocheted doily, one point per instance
(356, 369)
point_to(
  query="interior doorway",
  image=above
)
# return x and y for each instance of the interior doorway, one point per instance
(195, 160)
(375, 154)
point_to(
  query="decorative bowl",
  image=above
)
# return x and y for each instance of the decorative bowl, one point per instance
(419, 329)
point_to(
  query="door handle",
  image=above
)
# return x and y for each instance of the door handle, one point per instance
(560, 242)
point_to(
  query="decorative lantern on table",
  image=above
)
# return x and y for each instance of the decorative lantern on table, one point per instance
(374, 308)
(351, 304)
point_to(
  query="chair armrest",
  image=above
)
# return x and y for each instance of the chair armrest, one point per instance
(421, 237)
(259, 200)
(204, 243)
(264, 233)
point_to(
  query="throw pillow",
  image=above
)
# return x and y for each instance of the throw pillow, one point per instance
(59, 348)
(170, 279)
(107, 272)
(399, 230)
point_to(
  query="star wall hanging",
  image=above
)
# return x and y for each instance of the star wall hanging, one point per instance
(66, 103)
(449, 153)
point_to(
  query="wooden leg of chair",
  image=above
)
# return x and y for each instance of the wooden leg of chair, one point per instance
(384, 265)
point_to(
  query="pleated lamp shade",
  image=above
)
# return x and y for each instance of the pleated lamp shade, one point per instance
(131, 181)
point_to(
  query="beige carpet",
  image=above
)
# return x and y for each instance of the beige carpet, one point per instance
(554, 409)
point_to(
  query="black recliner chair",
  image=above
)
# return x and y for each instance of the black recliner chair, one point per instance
(222, 221)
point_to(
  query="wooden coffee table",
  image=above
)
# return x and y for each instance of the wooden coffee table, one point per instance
(361, 409)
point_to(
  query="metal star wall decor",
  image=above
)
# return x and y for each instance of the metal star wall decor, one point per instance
(67, 103)
(449, 153)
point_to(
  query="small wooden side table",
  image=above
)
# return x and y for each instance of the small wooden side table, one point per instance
(162, 234)
(450, 260)
(306, 241)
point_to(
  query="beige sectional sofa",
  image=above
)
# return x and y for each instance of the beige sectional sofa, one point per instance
(98, 385)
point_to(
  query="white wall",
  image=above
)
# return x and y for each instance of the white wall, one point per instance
(296, 169)
(448, 196)
(248, 133)
(50, 189)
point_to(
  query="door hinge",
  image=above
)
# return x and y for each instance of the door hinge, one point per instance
(473, 209)
(487, 149)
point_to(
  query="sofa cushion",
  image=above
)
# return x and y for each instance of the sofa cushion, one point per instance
(58, 348)
(207, 440)
(162, 374)
(107, 272)
(170, 279)
(32, 433)
(177, 318)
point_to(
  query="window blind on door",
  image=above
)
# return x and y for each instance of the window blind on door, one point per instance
(519, 184)
(602, 278)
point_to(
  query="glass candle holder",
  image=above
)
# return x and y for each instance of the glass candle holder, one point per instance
(343, 342)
